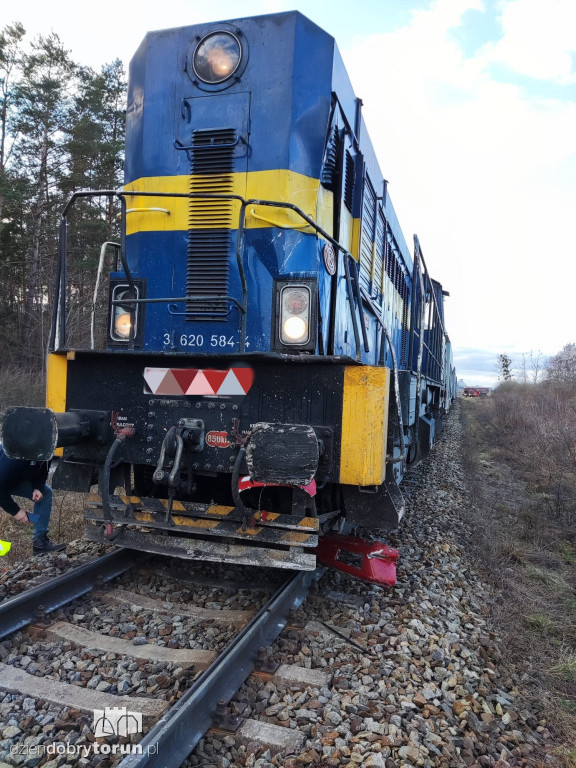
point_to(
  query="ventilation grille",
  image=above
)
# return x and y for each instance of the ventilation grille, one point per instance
(209, 222)
(349, 182)
(367, 253)
(380, 239)
(405, 325)
(328, 173)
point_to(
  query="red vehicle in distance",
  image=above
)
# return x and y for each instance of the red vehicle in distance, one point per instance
(476, 391)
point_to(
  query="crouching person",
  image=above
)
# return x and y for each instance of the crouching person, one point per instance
(27, 479)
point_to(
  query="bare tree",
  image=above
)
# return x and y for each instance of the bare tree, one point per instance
(531, 367)
(562, 366)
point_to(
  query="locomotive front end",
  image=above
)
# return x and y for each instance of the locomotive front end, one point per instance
(256, 367)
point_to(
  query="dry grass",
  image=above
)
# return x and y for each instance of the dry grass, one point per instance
(565, 669)
(20, 387)
(66, 524)
(523, 519)
(534, 426)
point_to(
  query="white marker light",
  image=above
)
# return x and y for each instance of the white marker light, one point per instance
(295, 307)
(295, 329)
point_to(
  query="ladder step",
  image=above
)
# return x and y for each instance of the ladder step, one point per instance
(206, 527)
(128, 505)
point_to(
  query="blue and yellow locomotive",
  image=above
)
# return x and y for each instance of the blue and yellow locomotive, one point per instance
(271, 357)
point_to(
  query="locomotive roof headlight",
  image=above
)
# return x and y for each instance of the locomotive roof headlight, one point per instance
(295, 314)
(217, 57)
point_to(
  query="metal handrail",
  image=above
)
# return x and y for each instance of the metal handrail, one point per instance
(395, 373)
(426, 282)
(417, 244)
(347, 257)
(59, 324)
(103, 250)
(417, 256)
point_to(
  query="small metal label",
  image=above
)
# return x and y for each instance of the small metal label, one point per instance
(217, 440)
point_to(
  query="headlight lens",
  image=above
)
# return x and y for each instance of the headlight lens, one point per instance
(121, 317)
(295, 330)
(217, 57)
(295, 315)
(122, 325)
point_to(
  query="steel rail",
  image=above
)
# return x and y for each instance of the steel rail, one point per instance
(18, 611)
(176, 734)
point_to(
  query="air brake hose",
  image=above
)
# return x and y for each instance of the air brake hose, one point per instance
(105, 481)
(235, 491)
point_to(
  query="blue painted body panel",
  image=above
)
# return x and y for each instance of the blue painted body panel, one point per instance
(282, 104)
(158, 256)
(289, 75)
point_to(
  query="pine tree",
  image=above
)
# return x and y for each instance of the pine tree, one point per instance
(61, 130)
(14, 192)
(504, 363)
(10, 59)
(94, 145)
(42, 99)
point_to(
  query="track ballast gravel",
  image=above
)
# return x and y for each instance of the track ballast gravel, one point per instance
(415, 674)
(433, 687)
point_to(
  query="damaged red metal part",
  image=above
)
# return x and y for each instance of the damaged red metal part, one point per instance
(246, 482)
(378, 560)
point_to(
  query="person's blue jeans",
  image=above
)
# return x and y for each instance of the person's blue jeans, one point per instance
(41, 508)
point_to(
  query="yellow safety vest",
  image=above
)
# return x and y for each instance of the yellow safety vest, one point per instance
(4, 547)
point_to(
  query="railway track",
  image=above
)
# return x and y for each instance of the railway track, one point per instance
(121, 637)
(33, 604)
(372, 677)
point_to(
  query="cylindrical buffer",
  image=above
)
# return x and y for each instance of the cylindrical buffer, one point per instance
(35, 433)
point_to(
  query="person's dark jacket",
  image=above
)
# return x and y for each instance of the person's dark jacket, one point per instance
(15, 471)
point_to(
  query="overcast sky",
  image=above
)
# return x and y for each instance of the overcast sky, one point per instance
(471, 105)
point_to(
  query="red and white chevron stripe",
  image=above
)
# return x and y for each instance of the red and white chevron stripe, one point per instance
(195, 381)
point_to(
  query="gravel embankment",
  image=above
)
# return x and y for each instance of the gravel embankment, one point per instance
(432, 688)
(420, 678)
(15, 577)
